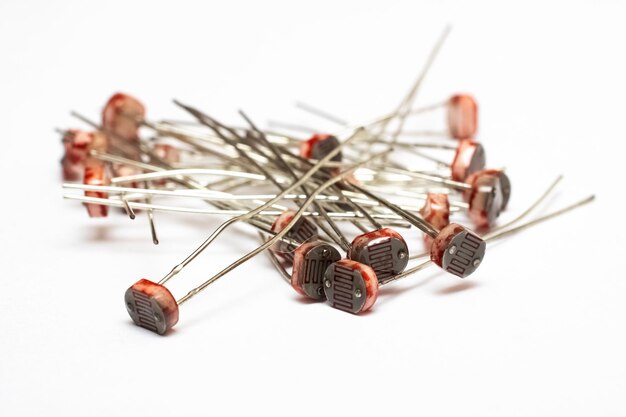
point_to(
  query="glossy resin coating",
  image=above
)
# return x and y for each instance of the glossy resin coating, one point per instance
(350, 286)
(99, 142)
(469, 158)
(120, 170)
(462, 116)
(436, 211)
(151, 306)
(457, 250)
(303, 231)
(489, 196)
(76, 144)
(384, 250)
(319, 146)
(96, 174)
(309, 265)
(166, 152)
(118, 116)
(169, 154)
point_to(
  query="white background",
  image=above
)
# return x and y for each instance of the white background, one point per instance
(538, 330)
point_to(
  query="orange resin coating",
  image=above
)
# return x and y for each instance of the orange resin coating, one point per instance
(99, 142)
(120, 170)
(152, 306)
(308, 271)
(167, 152)
(306, 148)
(375, 250)
(124, 171)
(469, 158)
(457, 250)
(282, 221)
(302, 231)
(462, 116)
(298, 269)
(75, 143)
(96, 174)
(118, 114)
(298, 272)
(371, 284)
(320, 145)
(345, 268)
(441, 242)
(436, 211)
(484, 205)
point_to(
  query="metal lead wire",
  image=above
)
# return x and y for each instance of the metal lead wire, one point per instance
(129, 210)
(390, 219)
(405, 107)
(418, 222)
(153, 232)
(342, 241)
(217, 196)
(520, 217)
(257, 210)
(275, 238)
(503, 233)
(205, 119)
(279, 267)
(499, 234)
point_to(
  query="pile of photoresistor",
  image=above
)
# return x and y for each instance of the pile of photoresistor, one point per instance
(328, 208)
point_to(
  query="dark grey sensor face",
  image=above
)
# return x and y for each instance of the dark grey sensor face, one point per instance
(145, 311)
(323, 147)
(464, 254)
(345, 288)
